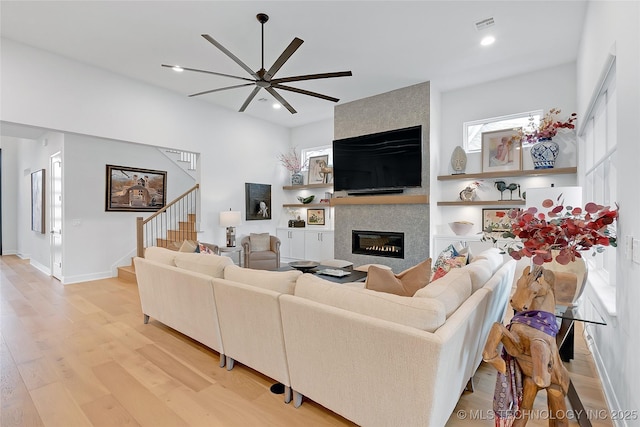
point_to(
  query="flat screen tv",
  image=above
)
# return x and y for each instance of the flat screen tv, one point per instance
(378, 163)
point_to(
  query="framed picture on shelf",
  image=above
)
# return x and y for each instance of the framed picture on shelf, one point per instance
(135, 189)
(37, 201)
(315, 216)
(319, 170)
(496, 219)
(501, 151)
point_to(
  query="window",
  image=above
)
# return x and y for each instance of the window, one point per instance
(316, 151)
(599, 140)
(472, 131)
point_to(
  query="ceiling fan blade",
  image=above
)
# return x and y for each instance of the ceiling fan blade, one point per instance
(209, 72)
(221, 89)
(312, 77)
(305, 92)
(230, 55)
(281, 100)
(249, 99)
(284, 56)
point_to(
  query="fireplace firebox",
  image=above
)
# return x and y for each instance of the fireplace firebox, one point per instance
(378, 243)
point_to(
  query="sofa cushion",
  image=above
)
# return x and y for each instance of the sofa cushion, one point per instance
(451, 290)
(405, 283)
(211, 265)
(493, 255)
(480, 272)
(283, 282)
(260, 242)
(422, 313)
(161, 255)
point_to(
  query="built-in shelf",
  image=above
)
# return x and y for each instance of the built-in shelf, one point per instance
(415, 199)
(307, 205)
(502, 174)
(306, 187)
(483, 203)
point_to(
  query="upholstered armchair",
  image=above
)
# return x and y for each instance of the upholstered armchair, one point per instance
(261, 251)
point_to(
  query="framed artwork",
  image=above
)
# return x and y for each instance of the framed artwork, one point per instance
(496, 219)
(37, 201)
(319, 170)
(315, 216)
(257, 201)
(134, 189)
(501, 151)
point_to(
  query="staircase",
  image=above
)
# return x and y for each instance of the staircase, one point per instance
(167, 228)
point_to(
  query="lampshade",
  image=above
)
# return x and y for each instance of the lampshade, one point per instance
(230, 218)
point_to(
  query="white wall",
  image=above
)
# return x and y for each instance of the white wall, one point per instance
(112, 234)
(613, 27)
(544, 89)
(9, 146)
(49, 91)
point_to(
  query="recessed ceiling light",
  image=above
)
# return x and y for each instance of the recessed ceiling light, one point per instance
(277, 106)
(488, 40)
(177, 68)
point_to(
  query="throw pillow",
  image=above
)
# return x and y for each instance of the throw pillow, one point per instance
(188, 246)
(204, 249)
(449, 258)
(403, 284)
(260, 242)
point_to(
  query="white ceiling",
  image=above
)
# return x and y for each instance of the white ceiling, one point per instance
(387, 44)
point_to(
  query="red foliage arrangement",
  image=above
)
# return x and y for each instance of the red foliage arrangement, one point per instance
(567, 230)
(548, 126)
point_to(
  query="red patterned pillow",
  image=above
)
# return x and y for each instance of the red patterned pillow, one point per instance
(204, 249)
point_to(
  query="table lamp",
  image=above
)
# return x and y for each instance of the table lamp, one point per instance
(230, 219)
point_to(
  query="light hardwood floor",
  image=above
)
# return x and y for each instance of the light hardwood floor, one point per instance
(80, 355)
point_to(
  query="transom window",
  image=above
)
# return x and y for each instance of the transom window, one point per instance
(323, 150)
(472, 131)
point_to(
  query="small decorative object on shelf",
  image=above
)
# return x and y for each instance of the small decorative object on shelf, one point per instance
(545, 151)
(501, 186)
(512, 187)
(306, 200)
(291, 161)
(460, 228)
(458, 160)
(469, 192)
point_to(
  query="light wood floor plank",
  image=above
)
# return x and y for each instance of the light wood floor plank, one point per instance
(144, 406)
(17, 408)
(106, 411)
(57, 408)
(85, 349)
(174, 368)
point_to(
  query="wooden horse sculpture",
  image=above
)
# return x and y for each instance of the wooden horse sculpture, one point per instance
(530, 339)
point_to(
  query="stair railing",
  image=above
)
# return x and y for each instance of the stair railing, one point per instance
(154, 230)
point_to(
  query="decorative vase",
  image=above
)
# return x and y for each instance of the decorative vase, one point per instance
(544, 153)
(297, 179)
(566, 294)
(468, 194)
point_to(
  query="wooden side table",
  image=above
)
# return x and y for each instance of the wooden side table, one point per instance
(232, 251)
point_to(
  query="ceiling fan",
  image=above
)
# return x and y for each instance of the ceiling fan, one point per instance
(263, 79)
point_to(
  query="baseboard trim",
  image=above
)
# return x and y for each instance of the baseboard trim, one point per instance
(69, 280)
(607, 387)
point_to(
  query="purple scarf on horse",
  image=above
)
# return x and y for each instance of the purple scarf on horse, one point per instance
(508, 393)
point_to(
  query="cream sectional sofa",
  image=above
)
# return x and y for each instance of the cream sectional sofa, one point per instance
(377, 359)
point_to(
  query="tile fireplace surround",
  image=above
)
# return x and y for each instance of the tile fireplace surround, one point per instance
(412, 220)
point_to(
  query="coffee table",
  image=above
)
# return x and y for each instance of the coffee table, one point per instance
(353, 276)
